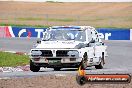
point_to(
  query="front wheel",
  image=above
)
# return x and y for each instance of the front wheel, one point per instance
(33, 67)
(100, 66)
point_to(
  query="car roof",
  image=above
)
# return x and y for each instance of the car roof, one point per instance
(71, 27)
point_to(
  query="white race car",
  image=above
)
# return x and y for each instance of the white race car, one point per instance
(68, 47)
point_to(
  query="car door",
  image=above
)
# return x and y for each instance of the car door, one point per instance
(97, 45)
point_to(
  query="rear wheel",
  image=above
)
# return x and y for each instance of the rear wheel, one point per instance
(100, 66)
(33, 67)
(57, 68)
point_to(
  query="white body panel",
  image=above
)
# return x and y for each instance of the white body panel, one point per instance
(75, 50)
(57, 44)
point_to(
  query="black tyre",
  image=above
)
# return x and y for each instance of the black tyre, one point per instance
(100, 66)
(33, 67)
(84, 61)
(57, 69)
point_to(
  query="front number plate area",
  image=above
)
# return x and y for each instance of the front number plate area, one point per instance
(54, 62)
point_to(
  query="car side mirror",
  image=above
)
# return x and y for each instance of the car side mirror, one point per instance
(38, 41)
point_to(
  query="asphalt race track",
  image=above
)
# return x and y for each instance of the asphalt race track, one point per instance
(119, 58)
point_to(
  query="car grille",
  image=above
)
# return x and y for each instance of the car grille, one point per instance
(46, 53)
(61, 53)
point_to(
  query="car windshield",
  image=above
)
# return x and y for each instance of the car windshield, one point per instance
(64, 35)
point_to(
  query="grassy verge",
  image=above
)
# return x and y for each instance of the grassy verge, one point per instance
(61, 20)
(46, 26)
(9, 59)
(23, 25)
(46, 19)
(30, 19)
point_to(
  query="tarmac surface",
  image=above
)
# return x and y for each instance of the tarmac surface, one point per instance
(119, 58)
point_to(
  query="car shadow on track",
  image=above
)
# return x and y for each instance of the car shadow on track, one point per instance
(63, 69)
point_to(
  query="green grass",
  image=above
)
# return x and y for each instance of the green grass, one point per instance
(46, 19)
(61, 20)
(30, 19)
(46, 26)
(53, 1)
(23, 25)
(9, 59)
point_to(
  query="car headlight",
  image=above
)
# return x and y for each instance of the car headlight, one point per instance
(36, 53)
(73, 53)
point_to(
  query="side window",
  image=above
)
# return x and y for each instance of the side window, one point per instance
(94, 35)
(89, 35)
(96, 38)
(98, 41)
